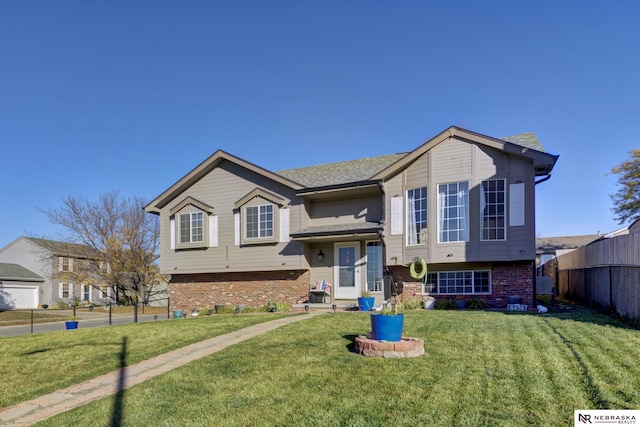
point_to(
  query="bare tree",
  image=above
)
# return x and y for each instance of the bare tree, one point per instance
(120, 240)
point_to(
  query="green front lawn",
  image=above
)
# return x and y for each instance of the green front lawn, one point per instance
(481, 368)
(33, 365)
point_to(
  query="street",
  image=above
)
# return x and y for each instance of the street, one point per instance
(87, 320)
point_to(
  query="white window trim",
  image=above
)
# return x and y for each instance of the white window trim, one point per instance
(410, 210)
(61, 264)
(274, 225)
(191, 215)
(82, 289)
(441, 219)
(482, 206)
(60, 290)
(437, 291)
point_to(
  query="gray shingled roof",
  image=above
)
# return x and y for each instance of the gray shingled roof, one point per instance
(63, 248)
(16, 271)
(363, 169)
(549, 244)
(528, 140)
(340, 172)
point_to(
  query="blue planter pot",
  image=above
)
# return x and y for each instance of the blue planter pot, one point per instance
(71, 324)
(365, 303)
(387, 327)
(177, 314)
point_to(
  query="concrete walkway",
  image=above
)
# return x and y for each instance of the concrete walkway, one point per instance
(38, 409)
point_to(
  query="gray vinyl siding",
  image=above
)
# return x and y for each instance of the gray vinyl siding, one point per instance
(417, 176)
(345, 210)
(459, 161)
(221, 188)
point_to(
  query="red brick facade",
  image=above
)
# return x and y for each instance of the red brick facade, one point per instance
(197, 291)
(507, 280)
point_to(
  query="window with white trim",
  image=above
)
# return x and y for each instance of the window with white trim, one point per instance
(86, 293)
(191, 227)
(65, 290)
(492, 210)
(453, 218)
(471, 282)
(374, 267)
(65, 264)
(417, 216)
(259, 222)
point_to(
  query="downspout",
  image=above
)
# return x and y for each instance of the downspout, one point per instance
(546, 178)
(535, 281)
(385, 270)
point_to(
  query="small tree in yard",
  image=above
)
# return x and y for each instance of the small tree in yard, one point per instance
(121, 243)
(626, 202)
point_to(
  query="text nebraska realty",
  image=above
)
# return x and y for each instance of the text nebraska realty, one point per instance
(607, 419)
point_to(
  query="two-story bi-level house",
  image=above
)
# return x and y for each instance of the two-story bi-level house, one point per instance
(235, 233)
(54, 261)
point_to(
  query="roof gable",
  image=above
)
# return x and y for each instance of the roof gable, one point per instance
(362, 170)
(259, 192)
(205, 167)
(191, 201)
(543, 162)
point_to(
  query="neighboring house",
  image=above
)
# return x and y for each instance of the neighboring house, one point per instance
(51, 259)
(19, 287)
(551, 247)
(233, 232)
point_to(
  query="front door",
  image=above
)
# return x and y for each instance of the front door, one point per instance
(347, 270)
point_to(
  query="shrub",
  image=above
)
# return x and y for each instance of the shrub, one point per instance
(413, 304)
(476, 304)
(282, 306)
(445, 305)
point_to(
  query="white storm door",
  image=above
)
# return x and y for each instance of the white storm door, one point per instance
(347, 270)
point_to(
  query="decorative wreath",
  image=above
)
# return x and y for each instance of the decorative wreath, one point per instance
(423, 268)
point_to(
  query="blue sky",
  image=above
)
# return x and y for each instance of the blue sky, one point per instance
(131, 95)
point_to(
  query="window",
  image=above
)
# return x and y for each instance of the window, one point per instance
(453, 223)
(259, 222)
(192, 227)
(374, 267)
(86, 292)
(65, 263)
(417, 216)
(492, 210)
(458, 282)
(65, 290)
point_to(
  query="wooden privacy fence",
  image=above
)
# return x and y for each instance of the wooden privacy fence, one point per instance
(605, 273)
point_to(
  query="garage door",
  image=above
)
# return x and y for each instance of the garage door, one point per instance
(18, 296)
